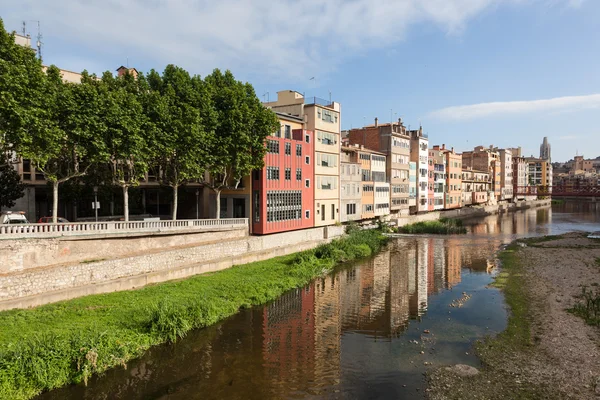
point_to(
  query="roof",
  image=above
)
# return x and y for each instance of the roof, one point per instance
(289, 117)
(128, 69)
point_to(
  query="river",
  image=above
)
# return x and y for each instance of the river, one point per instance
(369, 330)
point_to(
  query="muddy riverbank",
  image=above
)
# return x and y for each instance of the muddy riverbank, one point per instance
(546, 351)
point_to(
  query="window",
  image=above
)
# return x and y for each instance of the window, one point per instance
(307, 183)
(273, 146)
(288, 174)
(256, 174)
(272, 173)
(367, 188)
(288, 149)
(256, 206)
(368, 208)
(327, 182)
(326, 160)
(351, 209)
(278, 132)
(307, 159)
(288, 132)
(307, 138)
(366, 174)
(378, 176)
(299, 150)
(307, 213)
(298, 174)
(328, 116)
(284, 205)
(333, 211)
(326, 138)
(323, 212)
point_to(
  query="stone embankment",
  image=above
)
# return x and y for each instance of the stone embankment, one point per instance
(471, 212)
(40, 271)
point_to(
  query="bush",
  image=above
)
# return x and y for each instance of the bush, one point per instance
(443, 226)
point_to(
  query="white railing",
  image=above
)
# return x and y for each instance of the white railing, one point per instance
(15, 231)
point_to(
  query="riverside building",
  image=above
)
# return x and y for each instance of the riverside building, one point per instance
(323, 118)
(283, 190)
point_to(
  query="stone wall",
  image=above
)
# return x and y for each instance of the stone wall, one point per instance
(35, 286)
(471, 212)
(24, 254)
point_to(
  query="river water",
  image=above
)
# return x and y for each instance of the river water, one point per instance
(369, 330)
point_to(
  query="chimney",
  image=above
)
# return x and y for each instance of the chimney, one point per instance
(400, 121)
(376, 120)
(443, 146)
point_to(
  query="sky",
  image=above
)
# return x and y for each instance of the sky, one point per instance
(471, 72)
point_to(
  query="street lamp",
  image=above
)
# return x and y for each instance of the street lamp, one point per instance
(96, 202)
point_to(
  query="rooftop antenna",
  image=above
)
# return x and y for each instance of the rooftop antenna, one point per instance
(24, 28)
(39, 41)
(268, 99)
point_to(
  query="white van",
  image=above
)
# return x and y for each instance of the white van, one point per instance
(13, 217)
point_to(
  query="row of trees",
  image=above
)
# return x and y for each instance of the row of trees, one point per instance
(114, 130)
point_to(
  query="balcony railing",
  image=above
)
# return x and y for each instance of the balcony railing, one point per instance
(16, 231)
(318, 101)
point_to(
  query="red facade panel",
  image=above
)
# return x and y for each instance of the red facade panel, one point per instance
(283, 191)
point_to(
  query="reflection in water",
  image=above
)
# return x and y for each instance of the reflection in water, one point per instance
(349, 334)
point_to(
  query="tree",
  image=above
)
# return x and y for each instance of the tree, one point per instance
(125, 140)
(180, 115)
(237, 146)
(11, 187)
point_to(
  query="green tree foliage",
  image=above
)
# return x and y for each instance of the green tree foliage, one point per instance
(237, 146)
(21, 91)
(126, 147)
(11, 187)
(180, 115)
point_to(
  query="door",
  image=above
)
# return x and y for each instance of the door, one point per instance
(239, 208)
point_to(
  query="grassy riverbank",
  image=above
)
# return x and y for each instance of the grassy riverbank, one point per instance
(443, 226)
(535, 357)
(62, 343)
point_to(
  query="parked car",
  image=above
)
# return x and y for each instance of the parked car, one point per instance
(48, 220)
(13, 217)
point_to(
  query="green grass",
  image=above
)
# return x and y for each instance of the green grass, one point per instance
(443, 226)
(62, 343)
(588, 305)
(557, 201)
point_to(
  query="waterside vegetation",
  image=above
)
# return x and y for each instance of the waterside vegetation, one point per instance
(67, 342)
(443, 226)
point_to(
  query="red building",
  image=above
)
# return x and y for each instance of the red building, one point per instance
(283, 191)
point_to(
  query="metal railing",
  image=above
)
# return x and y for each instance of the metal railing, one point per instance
(15, 231)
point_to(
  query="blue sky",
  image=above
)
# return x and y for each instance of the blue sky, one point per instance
(502, 72)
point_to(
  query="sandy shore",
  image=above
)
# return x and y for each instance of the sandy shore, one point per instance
(558, 355)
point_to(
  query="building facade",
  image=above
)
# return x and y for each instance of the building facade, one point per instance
(351, 184)
(393, 140)
(476, 187)
(283, 190)
(419, 155)
(323, 118)
(439, 177)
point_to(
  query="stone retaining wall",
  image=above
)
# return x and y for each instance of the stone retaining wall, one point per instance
(36, 286)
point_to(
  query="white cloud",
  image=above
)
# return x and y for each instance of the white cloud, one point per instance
(503, 108)
(286, 38)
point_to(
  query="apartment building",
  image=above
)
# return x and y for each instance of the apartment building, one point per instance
(375, 196)
(350, 184)
(486, 159)
(453, 195)
(283, 190)
(476, 186)
(419, 155)
(540, 174)
(323, 118)
(412, 184)
(439, 177)
(506, 173)
(430, 181)
(393, 140)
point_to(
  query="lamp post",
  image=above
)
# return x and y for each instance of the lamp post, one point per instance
(96, 202)
(197, 196)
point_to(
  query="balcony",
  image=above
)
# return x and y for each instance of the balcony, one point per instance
(318, 101)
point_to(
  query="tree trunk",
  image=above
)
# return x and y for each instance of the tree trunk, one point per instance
(126, 203)
(54, 202)
(175, 196)
(218, 205)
